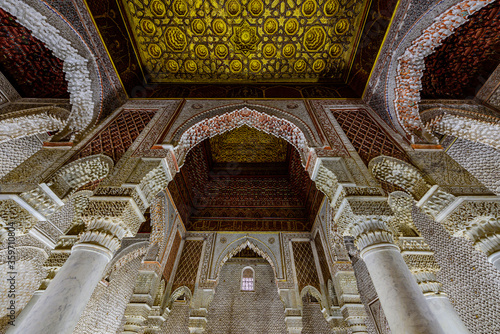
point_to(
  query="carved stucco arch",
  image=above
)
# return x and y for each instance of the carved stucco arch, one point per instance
(210, 127)
(80, 172)
(79, 64)
(406, 71)
(463, 124)
(256, 245)
(315, 293)
(31, 122)
(183, 290)
(126, 255)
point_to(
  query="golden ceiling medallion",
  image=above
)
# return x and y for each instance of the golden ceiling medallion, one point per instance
(236, 66)
(190, 66)
(245, 38)
(201, 51)
(336, 50)
(233, 7)
(300, 65)
(342, 27)
(158, 8)
(255, 65)
(309, 7)
(269, 50)
(256, 7)
(219, 26)
(154, 50)
(221, 51)
(176, 39)
(180, 7)
(172, 66)
(331, 7)
(318, 65)
(198, 26)
(271, 26)
(148, 27)
(291, 26)
(288, 50)
(314, 38)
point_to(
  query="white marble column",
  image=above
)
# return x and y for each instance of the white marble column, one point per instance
(59, 308)
(448, 318)
(404, 304)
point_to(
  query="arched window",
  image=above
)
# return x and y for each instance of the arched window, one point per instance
(247, 279)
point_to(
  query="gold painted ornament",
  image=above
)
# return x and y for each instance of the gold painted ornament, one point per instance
(269, 50)
(288, 50)
(309, 7)
(236, 66)
(314, 38)
(219, 26)
(158, 8)
(180, 7)
(221, 51)
(233, 7)
(175, 39)
(245, 38)
(256, 7)
(271, 26)
(318, 65)
(201, 51)
(336, 50)
(300, 65)
(190, 66)
(341, 27)
(154, 50)
(198, 26)
(172, 66)
(255, 65)
(331, 7)
(148, 27)
(291, 26)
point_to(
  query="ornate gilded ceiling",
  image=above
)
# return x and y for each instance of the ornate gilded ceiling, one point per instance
(245, 40)
(248, 145)
(242, 48)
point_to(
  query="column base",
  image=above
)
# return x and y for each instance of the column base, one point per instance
(495, 259)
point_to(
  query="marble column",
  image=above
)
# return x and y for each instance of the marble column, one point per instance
(404, 304)
(485, 234)
(448, 318)
(60, 307)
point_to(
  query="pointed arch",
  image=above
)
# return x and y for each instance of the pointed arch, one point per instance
(409, 66)
(76, 55)
(254, 244)
(183, 290)
(315, 293)
(217, 125)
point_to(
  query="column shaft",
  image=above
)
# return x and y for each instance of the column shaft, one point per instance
(449, 320)
(402, 300)
(60, 307)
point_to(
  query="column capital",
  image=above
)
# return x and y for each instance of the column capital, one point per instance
(485, 234)
(105, 232)
(370, 231)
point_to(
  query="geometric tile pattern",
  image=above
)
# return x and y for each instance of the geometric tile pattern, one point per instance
(188, 265)
(305, 265)
(367, 137)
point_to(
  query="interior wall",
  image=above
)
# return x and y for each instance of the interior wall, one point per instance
(236, 312)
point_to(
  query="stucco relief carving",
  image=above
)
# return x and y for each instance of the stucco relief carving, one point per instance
(75, 66)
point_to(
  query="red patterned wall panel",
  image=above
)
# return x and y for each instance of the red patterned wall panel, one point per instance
(167, 271)
(118, 135)
(367, 136)
(188, 265)
(305, 264)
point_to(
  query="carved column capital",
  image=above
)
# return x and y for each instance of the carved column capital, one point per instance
(485, 234)
(105, 232)
(370, 231)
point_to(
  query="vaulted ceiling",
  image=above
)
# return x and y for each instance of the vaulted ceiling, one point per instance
(250, 48)
(255, 183)
(27, 63)
(462, 64)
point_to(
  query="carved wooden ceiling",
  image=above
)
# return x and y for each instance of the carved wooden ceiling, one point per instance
(247, 145)
(26, 62)
(249, 48)
(267, 191)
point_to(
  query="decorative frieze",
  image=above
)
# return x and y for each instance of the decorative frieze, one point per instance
(371, 231)
(485, 234)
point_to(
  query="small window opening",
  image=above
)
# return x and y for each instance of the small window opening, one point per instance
(247, 279)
